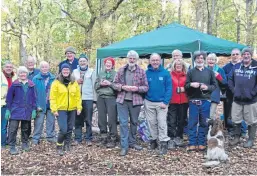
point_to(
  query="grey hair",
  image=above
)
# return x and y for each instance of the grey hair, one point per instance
(132, 53)
(177, 51)
(31, 57)
(7, 62)
(236, 49)
(43, 63)
(22, 69)
(179, 61)
(155, 54)
(212, 55)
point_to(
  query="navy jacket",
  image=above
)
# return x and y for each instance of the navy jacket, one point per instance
(72, 65)
(32, 74)
(160, 88)
(243, 83)
(228, 68)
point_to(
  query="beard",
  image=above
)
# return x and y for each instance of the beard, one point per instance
(198, 64)
(131, 65)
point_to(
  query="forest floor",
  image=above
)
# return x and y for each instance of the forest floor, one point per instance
(95, 160)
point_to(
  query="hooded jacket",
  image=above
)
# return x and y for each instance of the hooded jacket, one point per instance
(178, 80)
(160, 85)
(243, 83)
(65, 98)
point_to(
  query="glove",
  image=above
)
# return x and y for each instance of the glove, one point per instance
(7, 114)
(34, 114)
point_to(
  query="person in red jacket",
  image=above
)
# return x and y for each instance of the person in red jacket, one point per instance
(178, 106)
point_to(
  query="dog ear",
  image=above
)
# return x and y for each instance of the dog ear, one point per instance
(210, 122)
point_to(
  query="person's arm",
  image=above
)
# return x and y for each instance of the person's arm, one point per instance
(78, 97)
(231, 81)
(116, 83)
(53, 96)
(221, 77)
(9, 97)
(144, 87)
(188, 81)
(213, 84)
(97, 84)
(168, 92)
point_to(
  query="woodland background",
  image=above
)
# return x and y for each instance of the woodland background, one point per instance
(44, 28)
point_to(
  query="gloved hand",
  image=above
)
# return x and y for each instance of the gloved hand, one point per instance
(34, 114)
(7, 114)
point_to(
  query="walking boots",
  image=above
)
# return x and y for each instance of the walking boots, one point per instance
(163, 148)
(236, 133)
(252, 135)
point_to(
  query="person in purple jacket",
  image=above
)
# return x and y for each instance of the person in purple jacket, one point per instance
(21, 107)
(243, 84)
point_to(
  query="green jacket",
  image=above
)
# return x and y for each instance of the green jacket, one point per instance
(105, 91)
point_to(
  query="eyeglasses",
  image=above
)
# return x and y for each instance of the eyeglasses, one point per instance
(235, 54)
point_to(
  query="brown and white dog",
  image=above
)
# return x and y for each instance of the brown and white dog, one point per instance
(216, 140)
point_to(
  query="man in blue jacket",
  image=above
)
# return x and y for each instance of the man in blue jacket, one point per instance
(156, 102)
(70, 53)
(243, 84)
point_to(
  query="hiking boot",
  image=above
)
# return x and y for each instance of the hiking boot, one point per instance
(163, 148)
(252, 134)
(25, 147)
(13, 150)
(66, 147)
(171, 144)
(123, 152)
(153, 145)
(236, 133)
(111, 143)
(136, 147)
(60, 150)
(89, 143)
(178, 141)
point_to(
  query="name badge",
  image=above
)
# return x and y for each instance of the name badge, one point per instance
(161, 78)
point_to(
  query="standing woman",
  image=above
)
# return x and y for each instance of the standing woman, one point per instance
(177, 112)
(65, 103)
(106, 103)
(221, 81)
(21, 107)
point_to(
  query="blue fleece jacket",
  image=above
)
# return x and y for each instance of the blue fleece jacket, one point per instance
(160, 85)
(72, 65)
(243, 83)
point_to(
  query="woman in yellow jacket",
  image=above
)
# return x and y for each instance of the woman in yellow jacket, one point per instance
(65, 103)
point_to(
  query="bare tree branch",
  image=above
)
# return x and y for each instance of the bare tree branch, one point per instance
(112, 10)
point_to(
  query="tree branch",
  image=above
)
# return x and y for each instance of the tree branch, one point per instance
(112, 10)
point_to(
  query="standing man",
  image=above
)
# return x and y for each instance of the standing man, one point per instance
(85, 77)
(30, 65)
(43, 82)
(156, 102)
(70, 53)
(235, 58)
(131, 83)
(7, 77)
(199, 85)
(243, 84)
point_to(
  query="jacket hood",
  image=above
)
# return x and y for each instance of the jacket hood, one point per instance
(61, 78)
(178, 73)
(38, 76)
(18, 83)
(150, 68)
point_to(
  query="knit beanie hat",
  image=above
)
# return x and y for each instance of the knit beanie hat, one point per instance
(249, 50)
(65, 66)
(199, 53)
(83, 56)
(110, 59)
(70, 49)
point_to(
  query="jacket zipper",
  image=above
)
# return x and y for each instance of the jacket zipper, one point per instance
(68, 97)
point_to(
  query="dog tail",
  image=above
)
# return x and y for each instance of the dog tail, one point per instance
(211, 163)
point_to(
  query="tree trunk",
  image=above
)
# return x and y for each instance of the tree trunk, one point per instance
(179, 11)
(23, 52)
(249, 22)
(238, 25)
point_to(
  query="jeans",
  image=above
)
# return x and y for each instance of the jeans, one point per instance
(128, 137)
(84, 117)
(66, 121)
(39, 124)
(12, 131)
(107, 106)
(4, 123)
(198, 114)
(177, 115)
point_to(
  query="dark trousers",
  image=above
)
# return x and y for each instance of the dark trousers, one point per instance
(85, 117)
(4, 124)
(107, 106)
(126, 110)
(66, 121)
(29, 129)
(13, 128)
(177, 115)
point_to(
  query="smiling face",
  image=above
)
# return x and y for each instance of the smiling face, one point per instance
(132, 61)
(65, 72)
(108, 65)
(83, 62)
(70, 56)
(30, 63)
(211, 61)
(178, 67)
(23, 76)
(235, 56)
(8, 68)
(155, 61)
(199, 61)
(44, 68)
(247, 58)
(176, 55)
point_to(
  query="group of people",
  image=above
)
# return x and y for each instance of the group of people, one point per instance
(165, 93)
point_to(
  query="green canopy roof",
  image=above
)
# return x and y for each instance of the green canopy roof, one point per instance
(166, 39)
